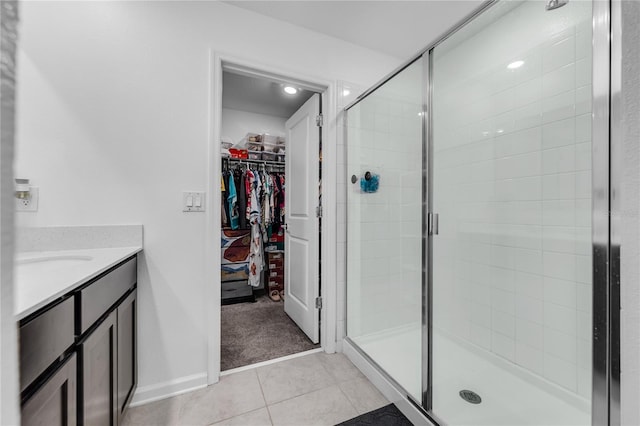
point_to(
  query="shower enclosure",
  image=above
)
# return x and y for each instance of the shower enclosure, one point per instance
(477, 225)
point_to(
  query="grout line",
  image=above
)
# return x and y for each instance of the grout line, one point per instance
(246, 412)
(264, 398)
(347, 396)
(269, 414)
(350, 401)
(337, 383)
(307, 393)
(233, 417)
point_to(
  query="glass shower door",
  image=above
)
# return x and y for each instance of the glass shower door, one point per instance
(512, 265)
(384, 223)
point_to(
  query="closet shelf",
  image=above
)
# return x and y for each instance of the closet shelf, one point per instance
(265, 162)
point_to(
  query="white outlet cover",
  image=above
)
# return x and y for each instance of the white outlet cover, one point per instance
(194, 195)
(30, 204)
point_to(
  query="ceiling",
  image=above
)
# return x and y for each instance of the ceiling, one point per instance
(260, 96)
(397, 28)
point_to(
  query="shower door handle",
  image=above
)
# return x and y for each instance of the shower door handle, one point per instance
(433, 225)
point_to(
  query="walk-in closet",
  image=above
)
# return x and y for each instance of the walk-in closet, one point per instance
(258, 117)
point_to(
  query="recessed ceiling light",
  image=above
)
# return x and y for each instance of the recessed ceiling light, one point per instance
(346, 92)
(290, 90)
(514, 65)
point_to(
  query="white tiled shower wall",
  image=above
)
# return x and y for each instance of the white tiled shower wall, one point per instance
(384, 228)
(512, 176)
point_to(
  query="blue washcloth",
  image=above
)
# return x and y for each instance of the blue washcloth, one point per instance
(370, 185)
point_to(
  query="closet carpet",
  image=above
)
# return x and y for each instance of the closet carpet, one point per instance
(256, 332)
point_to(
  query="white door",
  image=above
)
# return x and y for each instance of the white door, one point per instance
(301, 280)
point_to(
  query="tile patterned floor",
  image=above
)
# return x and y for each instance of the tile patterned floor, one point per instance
(317, 389)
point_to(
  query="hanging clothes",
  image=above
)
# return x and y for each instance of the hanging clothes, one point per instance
(238, 177)
(253, 200)
(254, 208)
(282, 198)
(225, 198)
(274, 188)
(256, 263)
(223, 212)
(277, 205)
(248, 179)
(233, 205)
(266, 197)
(255, 256)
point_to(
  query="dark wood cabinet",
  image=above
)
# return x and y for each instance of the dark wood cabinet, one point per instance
(101, 295)
(127, 351)
(99, 352)
(54, 403)
(43, 338)
(87, 376)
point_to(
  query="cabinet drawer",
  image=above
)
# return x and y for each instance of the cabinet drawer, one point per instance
(98, 297)
(44, 339)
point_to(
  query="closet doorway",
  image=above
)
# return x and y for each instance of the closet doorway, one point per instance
(271, 163)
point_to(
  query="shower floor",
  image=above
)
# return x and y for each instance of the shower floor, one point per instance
(507, 398)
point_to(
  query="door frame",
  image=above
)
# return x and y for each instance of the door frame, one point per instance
(218, 62)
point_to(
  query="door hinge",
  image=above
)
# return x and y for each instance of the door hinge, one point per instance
(319, 211)
(319, 120)
(318, 302)
(433, 224)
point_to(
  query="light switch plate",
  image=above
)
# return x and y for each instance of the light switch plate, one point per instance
(29, 204)
(191, 197)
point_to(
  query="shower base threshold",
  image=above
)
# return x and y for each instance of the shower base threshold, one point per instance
(510, 395)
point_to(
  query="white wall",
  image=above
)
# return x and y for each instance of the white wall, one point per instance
(512, 176)
(113, 126)
(630, 217)
(236, 124)
(9, 389)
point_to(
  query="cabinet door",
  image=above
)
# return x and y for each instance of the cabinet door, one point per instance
(127, 351)
(99, 354)
(55, 402)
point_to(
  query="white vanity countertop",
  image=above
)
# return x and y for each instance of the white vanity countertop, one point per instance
(41, 277)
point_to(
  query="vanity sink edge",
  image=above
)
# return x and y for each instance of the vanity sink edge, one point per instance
(42, 277)
(53, 258)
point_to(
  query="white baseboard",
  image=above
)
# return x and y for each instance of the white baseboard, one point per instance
(388, 389)
(156, 392)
